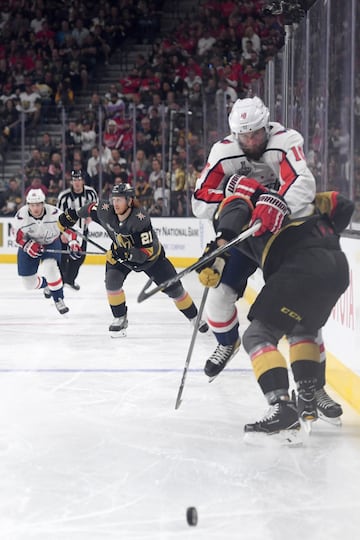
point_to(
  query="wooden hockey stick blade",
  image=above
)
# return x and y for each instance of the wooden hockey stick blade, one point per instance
(145, 294)
(191, 347)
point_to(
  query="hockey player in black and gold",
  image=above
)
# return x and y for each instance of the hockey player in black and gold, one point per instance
(135, 247)
(305, 273)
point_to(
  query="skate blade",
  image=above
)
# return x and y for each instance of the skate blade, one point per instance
(307, 422)
(118, 334)
(291, 438)
(332, 421)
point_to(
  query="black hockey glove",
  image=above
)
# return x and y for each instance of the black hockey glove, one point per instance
(119, 253)
(67, 219)
(85, 211)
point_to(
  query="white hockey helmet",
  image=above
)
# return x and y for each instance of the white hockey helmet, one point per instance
(35, 196)
(247, 115)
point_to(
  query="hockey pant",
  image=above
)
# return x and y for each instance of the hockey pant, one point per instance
(161, 270)
(269, 365)
(42, 271)
(221, 302)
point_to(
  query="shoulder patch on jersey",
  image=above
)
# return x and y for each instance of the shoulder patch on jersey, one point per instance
(105, 206)
(226, 141)
(141, 216)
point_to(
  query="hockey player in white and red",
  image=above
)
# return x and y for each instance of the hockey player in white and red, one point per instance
(36, 231)
(274, 156)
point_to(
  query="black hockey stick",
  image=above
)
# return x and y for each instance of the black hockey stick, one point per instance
(85, 237)
(104, 250)
(191, 347)
(203, 260)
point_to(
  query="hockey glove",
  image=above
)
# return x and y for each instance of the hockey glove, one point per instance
(33, 249)
(67, 219)
(74, 250)
(120, 253)
(245, 187)
(271, 210)
(74, 246)
(85, 210)
(210, 275)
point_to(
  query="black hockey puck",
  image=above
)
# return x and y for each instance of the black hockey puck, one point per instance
(192, 516)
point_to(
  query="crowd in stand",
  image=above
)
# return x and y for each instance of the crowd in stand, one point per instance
(210, 57)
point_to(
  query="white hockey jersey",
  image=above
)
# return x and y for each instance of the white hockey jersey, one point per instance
(43, 230)
(282, 166)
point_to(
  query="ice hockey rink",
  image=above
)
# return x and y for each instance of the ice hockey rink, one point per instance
(92, 448)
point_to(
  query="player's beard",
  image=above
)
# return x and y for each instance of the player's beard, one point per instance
(255, 154)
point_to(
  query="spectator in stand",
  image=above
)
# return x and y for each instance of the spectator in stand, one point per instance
(36, 183)
(8, 92)
(143, 191)
(73, 138)
(157, 174)
(225, 97)
(114, 105)
(205, 43)
(9, 125)
(88, 140)
(32, 167)
(46, 147)
(162, 192)
(30, 105)
(141, 163)
(250, 35)
(116, 158)
(131, 83)
(12, 198)
(64, 97)
(177, 187)
(93, 110)
(112, 134)
(80, 33)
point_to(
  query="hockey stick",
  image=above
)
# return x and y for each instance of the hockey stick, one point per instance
(201, 262)
(191, 347)
(78, 252)
(85, 237)
(104, 250)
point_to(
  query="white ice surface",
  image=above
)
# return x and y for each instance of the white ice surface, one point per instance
(92, 448)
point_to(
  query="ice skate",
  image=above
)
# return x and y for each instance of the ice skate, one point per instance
(219, 358)
(203, 325)
(74, 286)
(61, 307)
(47, 292)
(118, 327)
(280, 426)
(328, 410)
(306, 404)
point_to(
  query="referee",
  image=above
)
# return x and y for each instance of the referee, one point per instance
(75, 197)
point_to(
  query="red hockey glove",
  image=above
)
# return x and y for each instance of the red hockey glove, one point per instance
(244, 186)
(271, 210)
(33, 249)
(74, 245)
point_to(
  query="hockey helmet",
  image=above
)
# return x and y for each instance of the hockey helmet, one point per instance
(249, 122)
(123, 190)
(77, 175)
(35, 196)
(247, 115)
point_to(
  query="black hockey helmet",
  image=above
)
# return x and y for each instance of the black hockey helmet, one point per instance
(123, 190)
(77, 175)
